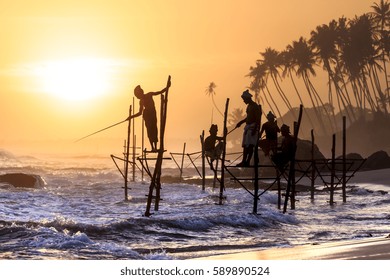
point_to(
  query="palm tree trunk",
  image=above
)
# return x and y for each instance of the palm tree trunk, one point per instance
(300, 99)
(215, 105)
(273, 101)
(381, 96)
(320, 121)
(315, 93)
(282, 94)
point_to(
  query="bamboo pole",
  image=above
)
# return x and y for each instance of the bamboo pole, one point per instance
(256, 167)
(292, 163)
(332, 177)
(127, 154)
(313, 167)
(279, 188)
(133, 148)
(134, 151)
(182, 161)
(203, 162)
(222, 182)
(344, 183)
(155, 183)
(143, 146)
(292, 168)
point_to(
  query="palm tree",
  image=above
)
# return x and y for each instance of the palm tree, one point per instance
(324, 42)
(340, 75)
(381, 21)
(380, 18)
(272, 60)
(356, 55)
(303, 60)
(288, 63)
(210, 90)
(258, 84)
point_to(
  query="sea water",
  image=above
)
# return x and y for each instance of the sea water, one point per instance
(78, 211)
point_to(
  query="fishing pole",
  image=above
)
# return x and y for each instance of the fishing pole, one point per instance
(101, 130)
(232, 130)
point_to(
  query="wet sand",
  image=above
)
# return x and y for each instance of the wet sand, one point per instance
(377, 248)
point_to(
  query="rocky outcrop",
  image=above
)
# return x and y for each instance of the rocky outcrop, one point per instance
(378, 160)
(21, 180)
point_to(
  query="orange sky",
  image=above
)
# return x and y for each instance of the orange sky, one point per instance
(121, 44)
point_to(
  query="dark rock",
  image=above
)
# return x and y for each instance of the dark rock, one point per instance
(378, 160)
(304, 150)
(21, 180)
(353, 161)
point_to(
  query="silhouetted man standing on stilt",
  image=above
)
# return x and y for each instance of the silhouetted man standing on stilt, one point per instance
(251, 130)
(148, 111)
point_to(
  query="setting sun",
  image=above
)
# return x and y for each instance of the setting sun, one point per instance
(75, 79)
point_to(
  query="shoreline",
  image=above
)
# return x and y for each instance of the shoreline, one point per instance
(373, 248)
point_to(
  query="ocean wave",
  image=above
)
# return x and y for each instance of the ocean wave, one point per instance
(42, 240)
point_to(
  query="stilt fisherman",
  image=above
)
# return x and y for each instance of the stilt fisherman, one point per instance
(251, 130)
(148, 110)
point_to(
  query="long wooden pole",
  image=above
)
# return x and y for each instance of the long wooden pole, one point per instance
(332, 171)
(292, 168)
(127, 154)
(256, 167)
(292, 162)
(164, 107)
(222, 183)
(203, 162)
(143, 154)
(96, 132)
(182, 161)
(313, 166)
(344, 186)
(134, 148)
(155, 182)
(134, 152)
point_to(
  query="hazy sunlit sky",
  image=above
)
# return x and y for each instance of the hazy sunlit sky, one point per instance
(68, 68)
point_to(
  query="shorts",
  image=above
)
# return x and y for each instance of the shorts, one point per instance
(250, 136)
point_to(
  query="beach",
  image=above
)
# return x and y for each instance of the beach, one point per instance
(377, 248)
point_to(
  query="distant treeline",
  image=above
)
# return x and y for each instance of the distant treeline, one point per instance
(354, 53)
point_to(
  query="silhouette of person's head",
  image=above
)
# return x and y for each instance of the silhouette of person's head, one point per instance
(270, 116)
(138, 92)
(246, 96)
(213, 129)
(285, 130)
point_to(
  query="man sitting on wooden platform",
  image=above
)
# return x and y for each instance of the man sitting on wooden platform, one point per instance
(213, 150)
(286, 151)
(271, 129)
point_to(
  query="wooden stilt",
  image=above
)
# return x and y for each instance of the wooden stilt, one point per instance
(256, 171)
(203, 162)
(292, 162)
(279, 188)
(332, 171)
(344, 182)
(313, 167)
(134, 151)
(143, 146)
(127, 154)
(182, 161)
(222, 181)
(292, 169)
(155, 183)
(134, 146)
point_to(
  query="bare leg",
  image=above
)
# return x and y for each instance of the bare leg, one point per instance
(249, 155)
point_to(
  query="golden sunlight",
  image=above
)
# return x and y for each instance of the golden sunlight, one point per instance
(75, 79)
